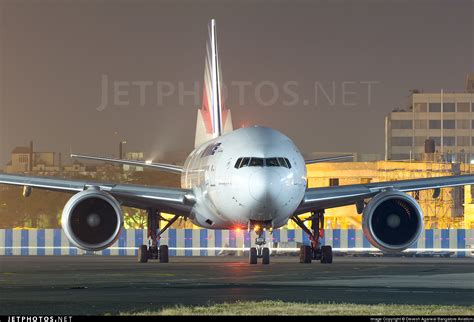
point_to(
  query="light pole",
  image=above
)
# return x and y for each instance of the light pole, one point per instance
(121, 149)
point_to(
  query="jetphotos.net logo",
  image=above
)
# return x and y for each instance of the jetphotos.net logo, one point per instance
(38, 318)
(116, 93)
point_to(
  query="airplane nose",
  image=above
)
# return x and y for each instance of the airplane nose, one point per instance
(265, 185)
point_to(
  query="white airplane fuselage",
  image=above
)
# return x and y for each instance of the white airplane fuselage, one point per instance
(232, 191)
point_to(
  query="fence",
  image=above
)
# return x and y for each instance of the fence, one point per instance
(204, 242)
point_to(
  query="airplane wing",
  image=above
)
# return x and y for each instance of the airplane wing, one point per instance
(337, 196)
(159, 166)
(329, 159)
(177, 201)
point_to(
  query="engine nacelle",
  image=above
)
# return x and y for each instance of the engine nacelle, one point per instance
(392, 221)
(92, 219)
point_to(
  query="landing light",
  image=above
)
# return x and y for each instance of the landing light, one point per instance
(148, 162)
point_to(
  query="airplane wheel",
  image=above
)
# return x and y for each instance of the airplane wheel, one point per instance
(306, 254)
(326, 254)
(164, 258)
(265, 256)
(143, 254)
(253, 255)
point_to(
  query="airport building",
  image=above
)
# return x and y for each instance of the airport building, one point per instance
(454, 207)
(435, 127)
(25, 159)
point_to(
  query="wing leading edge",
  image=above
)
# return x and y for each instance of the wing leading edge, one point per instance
(159, 166)
(338, 196)
(178, 201)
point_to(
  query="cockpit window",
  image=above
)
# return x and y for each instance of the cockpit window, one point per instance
(284, 162)
(241, 162)
(260, 162)
(272, 162)
(245, 162)
(237, 163)
(256, 162)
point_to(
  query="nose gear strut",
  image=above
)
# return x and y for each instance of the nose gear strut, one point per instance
(259, 251)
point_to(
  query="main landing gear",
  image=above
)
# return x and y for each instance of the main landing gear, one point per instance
(259, 251)
(316, 251)
(152, 251)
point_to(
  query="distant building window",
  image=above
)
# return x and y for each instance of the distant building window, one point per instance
(435, 124)
(449, 107)
(23, 159)
(435, 107)
(449, 124)
(400, 156)
(437, 140)
(472, 107)
(463, 108)
(402, 141)
(402, 124)
(420, 140)
(463, 124)
(449, 141)
(463, 141)
(421, 124)
(421, 107)
(333, 182)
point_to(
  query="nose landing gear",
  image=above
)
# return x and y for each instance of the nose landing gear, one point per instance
(316, 251)
(259, 251)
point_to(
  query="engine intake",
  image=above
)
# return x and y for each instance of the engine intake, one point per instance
(92, 219)
(392, 221)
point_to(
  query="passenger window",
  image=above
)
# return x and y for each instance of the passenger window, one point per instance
(245, 162)
(272, 162)
(256, 162)
(237, 163)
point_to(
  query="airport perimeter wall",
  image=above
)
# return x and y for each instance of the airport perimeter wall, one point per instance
(204, 242)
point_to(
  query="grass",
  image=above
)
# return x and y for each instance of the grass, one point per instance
(289, 308)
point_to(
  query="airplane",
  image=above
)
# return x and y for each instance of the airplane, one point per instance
(250, 178)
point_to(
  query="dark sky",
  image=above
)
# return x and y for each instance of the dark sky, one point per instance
(54, 53)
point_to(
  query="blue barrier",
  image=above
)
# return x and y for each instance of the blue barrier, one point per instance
(203, 242)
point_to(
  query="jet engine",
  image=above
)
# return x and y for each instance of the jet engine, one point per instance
(92, 219)
(392, 221)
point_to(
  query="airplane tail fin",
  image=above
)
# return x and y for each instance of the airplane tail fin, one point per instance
(213, 118)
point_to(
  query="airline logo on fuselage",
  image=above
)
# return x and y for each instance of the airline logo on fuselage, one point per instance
(210, 150)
